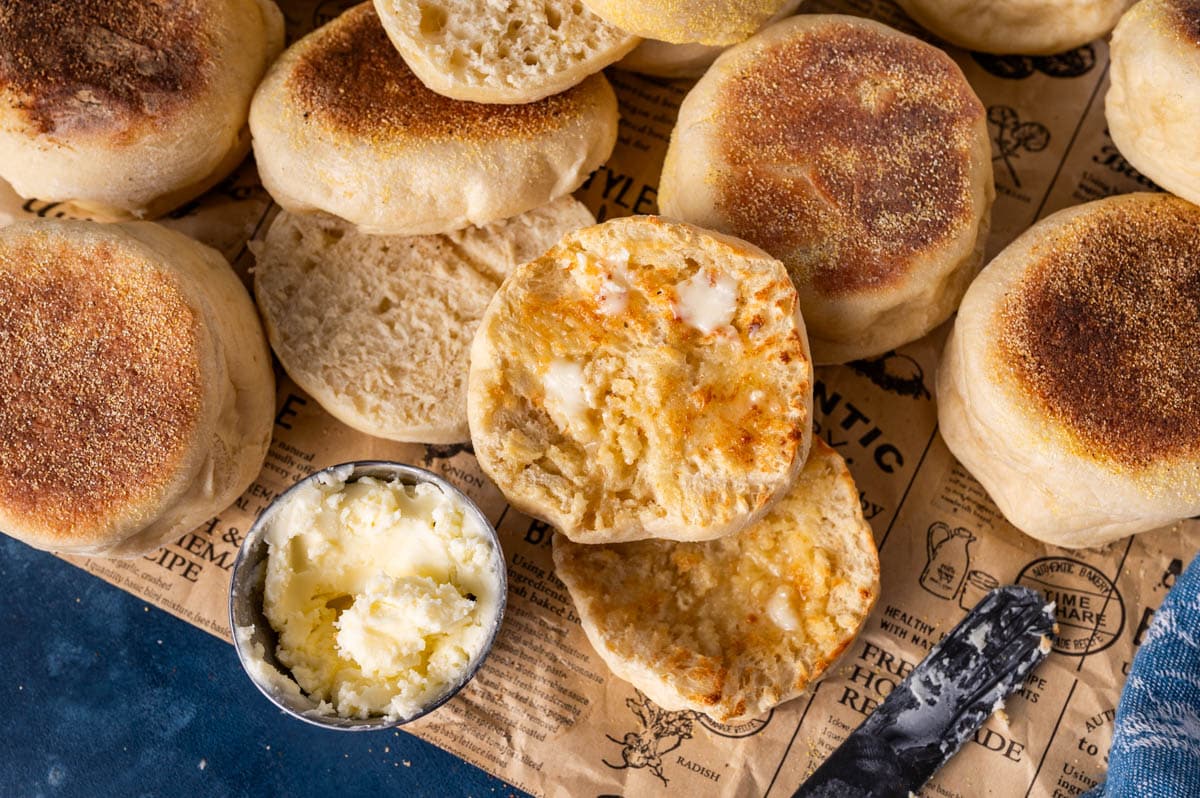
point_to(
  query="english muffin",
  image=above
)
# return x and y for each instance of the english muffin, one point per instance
(342, 125)
(643, 379)
(128, 108)
(1153, 102)
(136, 391)
(377, 328)
(517, 52)
(713, 22)
(667, 60)
(881, 218)
(1069, 385)
(1026, 27)
(736, 626)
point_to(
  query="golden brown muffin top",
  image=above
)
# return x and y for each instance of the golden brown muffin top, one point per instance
(350, 76)
(1185, 15)
(848, 153)
(71, 66)
(100, 384)
(1104, 329)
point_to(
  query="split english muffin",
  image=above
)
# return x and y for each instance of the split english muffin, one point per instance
(735, 626)
(1153, 102)
(1069, 385)
(342, 125)
(516, 52)
(136, 391)
(881, 218)
(128, 108)
(377, 328)
(644, 378)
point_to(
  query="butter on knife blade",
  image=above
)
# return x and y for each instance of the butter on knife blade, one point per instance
(924, 721)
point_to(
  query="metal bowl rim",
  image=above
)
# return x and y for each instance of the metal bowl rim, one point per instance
(358, 468)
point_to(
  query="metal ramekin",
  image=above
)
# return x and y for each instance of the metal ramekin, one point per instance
(249, 577)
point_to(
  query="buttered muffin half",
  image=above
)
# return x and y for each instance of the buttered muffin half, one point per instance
(342, 125)
(136, 391)
(1153, 102)
(857, 155)
(128, 108)
(1069, 385)
(735, 626)
(644, 378)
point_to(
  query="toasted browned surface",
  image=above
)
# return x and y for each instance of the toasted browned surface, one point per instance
(595, 404)
(1103, 330)
(812, 130)
(351, 77)
(100, 386)
(735, 626)
(85, 65)
(1185, 15)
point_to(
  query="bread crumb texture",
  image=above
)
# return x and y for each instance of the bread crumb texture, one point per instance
(378, 328)
(349, 76)
(100, 390)
(643, 372)
(1103, 330)
(846, 152)
(507, 44)
(733, 627)
(85, 66)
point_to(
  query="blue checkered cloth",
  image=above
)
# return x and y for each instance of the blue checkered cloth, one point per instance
(1156, 742)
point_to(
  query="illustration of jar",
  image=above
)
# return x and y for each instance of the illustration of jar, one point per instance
(978, 585)
(948, 560)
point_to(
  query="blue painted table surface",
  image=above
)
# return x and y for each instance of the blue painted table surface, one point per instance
(106, 695)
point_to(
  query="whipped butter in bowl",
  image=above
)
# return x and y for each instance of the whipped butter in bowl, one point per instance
(366, 595)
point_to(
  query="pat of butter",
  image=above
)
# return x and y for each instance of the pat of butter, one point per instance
(389, 625)
(382, 594)
(612, 295)
(612, 298)
(781, 612)
(568, 397)
(704, 303)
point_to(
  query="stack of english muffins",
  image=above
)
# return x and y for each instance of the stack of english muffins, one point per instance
(643, 385)
(640, 380)
(136, 389)
(646, 387)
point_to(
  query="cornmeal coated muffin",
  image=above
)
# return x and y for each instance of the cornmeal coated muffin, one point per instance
(515, 52)
(667, 60)
(1069, 385)
(377, 328)
(1153, 103)
(712, 22)
(643, 379)
(1025, 27)
(881, 218)
(736, 626)
(342, 125)
(136, 390)
(127, 109)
